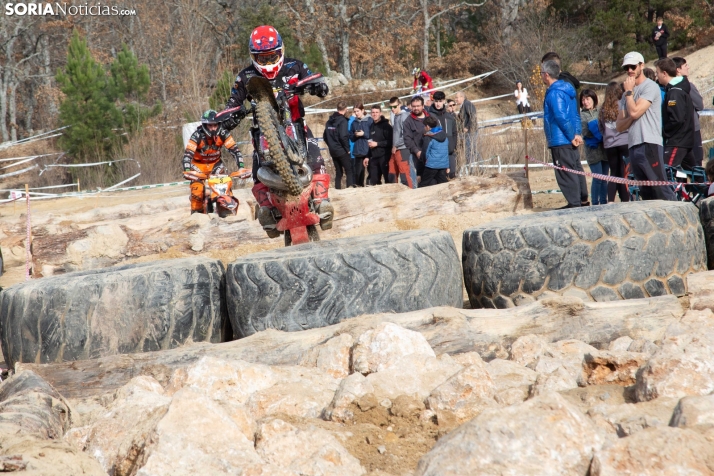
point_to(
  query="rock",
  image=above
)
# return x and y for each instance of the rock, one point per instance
(405, 406)
(618, 367)
(343, 80)
(621, 343)
(571, 353)
(552, 379)
(701, 290)
(119, 437)
(102, 245)
(350, 389)
(467, 358)
(526, 350)
(643, 345)
(392, 84)
(655, 452)
(559, 440)
(463, 396)
(366, 86)
(196, 241)
(511, 381)
(33, 418)
(381, 84)
(629, 418)
(379, 348)
(694, 412)
(415, 375)
(197, 437)
(334, 356)
(300, 391)
(304, 451)
(675, 373)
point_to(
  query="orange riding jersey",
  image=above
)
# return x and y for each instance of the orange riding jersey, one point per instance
(204, 149)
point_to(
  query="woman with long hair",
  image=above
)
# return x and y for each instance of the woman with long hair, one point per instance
(615, 143)
(594, 153)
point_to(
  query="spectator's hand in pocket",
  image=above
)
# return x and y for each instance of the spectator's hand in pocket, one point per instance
(365, 162)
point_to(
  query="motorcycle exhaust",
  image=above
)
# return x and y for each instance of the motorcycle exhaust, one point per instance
(273, 180)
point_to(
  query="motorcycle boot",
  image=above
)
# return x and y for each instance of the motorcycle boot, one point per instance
(266, 218)
(323, 207)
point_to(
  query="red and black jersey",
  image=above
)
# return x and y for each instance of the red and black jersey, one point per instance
(425, 80)
(291, 72)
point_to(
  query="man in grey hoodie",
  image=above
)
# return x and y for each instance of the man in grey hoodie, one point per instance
(399, 115)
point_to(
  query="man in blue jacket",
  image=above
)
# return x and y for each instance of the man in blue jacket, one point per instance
(563, 133)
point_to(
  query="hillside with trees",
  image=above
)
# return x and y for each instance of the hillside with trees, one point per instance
(125, 83)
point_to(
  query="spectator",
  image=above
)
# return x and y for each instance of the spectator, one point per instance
(352, 144)
(380, 143)
(651, 74)
(594, 153)
(359, 133)
(522, 103)
(698, 103)
(564, 75)
(435, 150)
(414, 136)
(677, 116)
(660, 33)
(337, 138)
(562, 132)
(614, 142)
(447, 121)
(469, 123)
(451, 109)
(641, 116)
(405, 165)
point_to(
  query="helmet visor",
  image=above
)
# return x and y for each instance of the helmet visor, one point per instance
(268, 58)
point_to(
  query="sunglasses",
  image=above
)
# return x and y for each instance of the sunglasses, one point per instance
(629, 67)
(395, 107)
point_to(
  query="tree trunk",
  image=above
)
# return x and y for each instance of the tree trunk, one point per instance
(345, 63)
(427, 25)
(490, 332)
(12, 109)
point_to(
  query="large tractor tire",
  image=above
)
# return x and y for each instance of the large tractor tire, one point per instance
(318, 284)
(706, 214)
(601, 253)
(120, 310)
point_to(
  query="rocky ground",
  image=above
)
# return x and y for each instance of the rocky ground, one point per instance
(399, 394)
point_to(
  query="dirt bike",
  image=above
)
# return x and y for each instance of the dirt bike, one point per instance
(280, 143)
(217, 191)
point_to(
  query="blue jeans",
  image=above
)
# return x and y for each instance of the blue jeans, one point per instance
(598, 190)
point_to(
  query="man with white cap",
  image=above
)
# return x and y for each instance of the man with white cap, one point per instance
(641, 115)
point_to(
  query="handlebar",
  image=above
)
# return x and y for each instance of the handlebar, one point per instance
(238, 174)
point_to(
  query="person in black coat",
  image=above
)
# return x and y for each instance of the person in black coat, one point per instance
(337, 138)
(660, 33)
(677, 116)
(380, 144)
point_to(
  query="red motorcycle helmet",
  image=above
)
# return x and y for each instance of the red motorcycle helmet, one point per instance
(266, 50)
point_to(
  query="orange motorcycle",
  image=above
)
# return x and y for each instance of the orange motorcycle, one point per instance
(218, 191)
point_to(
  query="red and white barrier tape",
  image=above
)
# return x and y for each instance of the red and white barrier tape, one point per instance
(610, 178)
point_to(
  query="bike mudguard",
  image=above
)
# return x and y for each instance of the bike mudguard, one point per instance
(296, 215)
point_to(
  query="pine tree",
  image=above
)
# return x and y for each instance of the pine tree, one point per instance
(87, 106)
(129, 86)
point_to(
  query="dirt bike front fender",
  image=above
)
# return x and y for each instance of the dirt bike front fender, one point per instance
(296, 215)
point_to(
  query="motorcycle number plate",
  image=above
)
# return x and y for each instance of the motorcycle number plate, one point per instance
(219, 180)
(221, 188)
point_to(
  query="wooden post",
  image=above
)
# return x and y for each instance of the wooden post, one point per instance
(79, 189)
(525, 139)
(28, 244)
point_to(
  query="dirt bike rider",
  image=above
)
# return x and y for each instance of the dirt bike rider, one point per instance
(203, 154)
(267, 52)
(424, 82)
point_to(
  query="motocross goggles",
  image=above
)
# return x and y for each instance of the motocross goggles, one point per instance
(268, 58)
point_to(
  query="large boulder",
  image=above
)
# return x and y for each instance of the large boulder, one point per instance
(320, 283)
(656, 452)
(542, 436)
(622, 251)
(121, 310)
